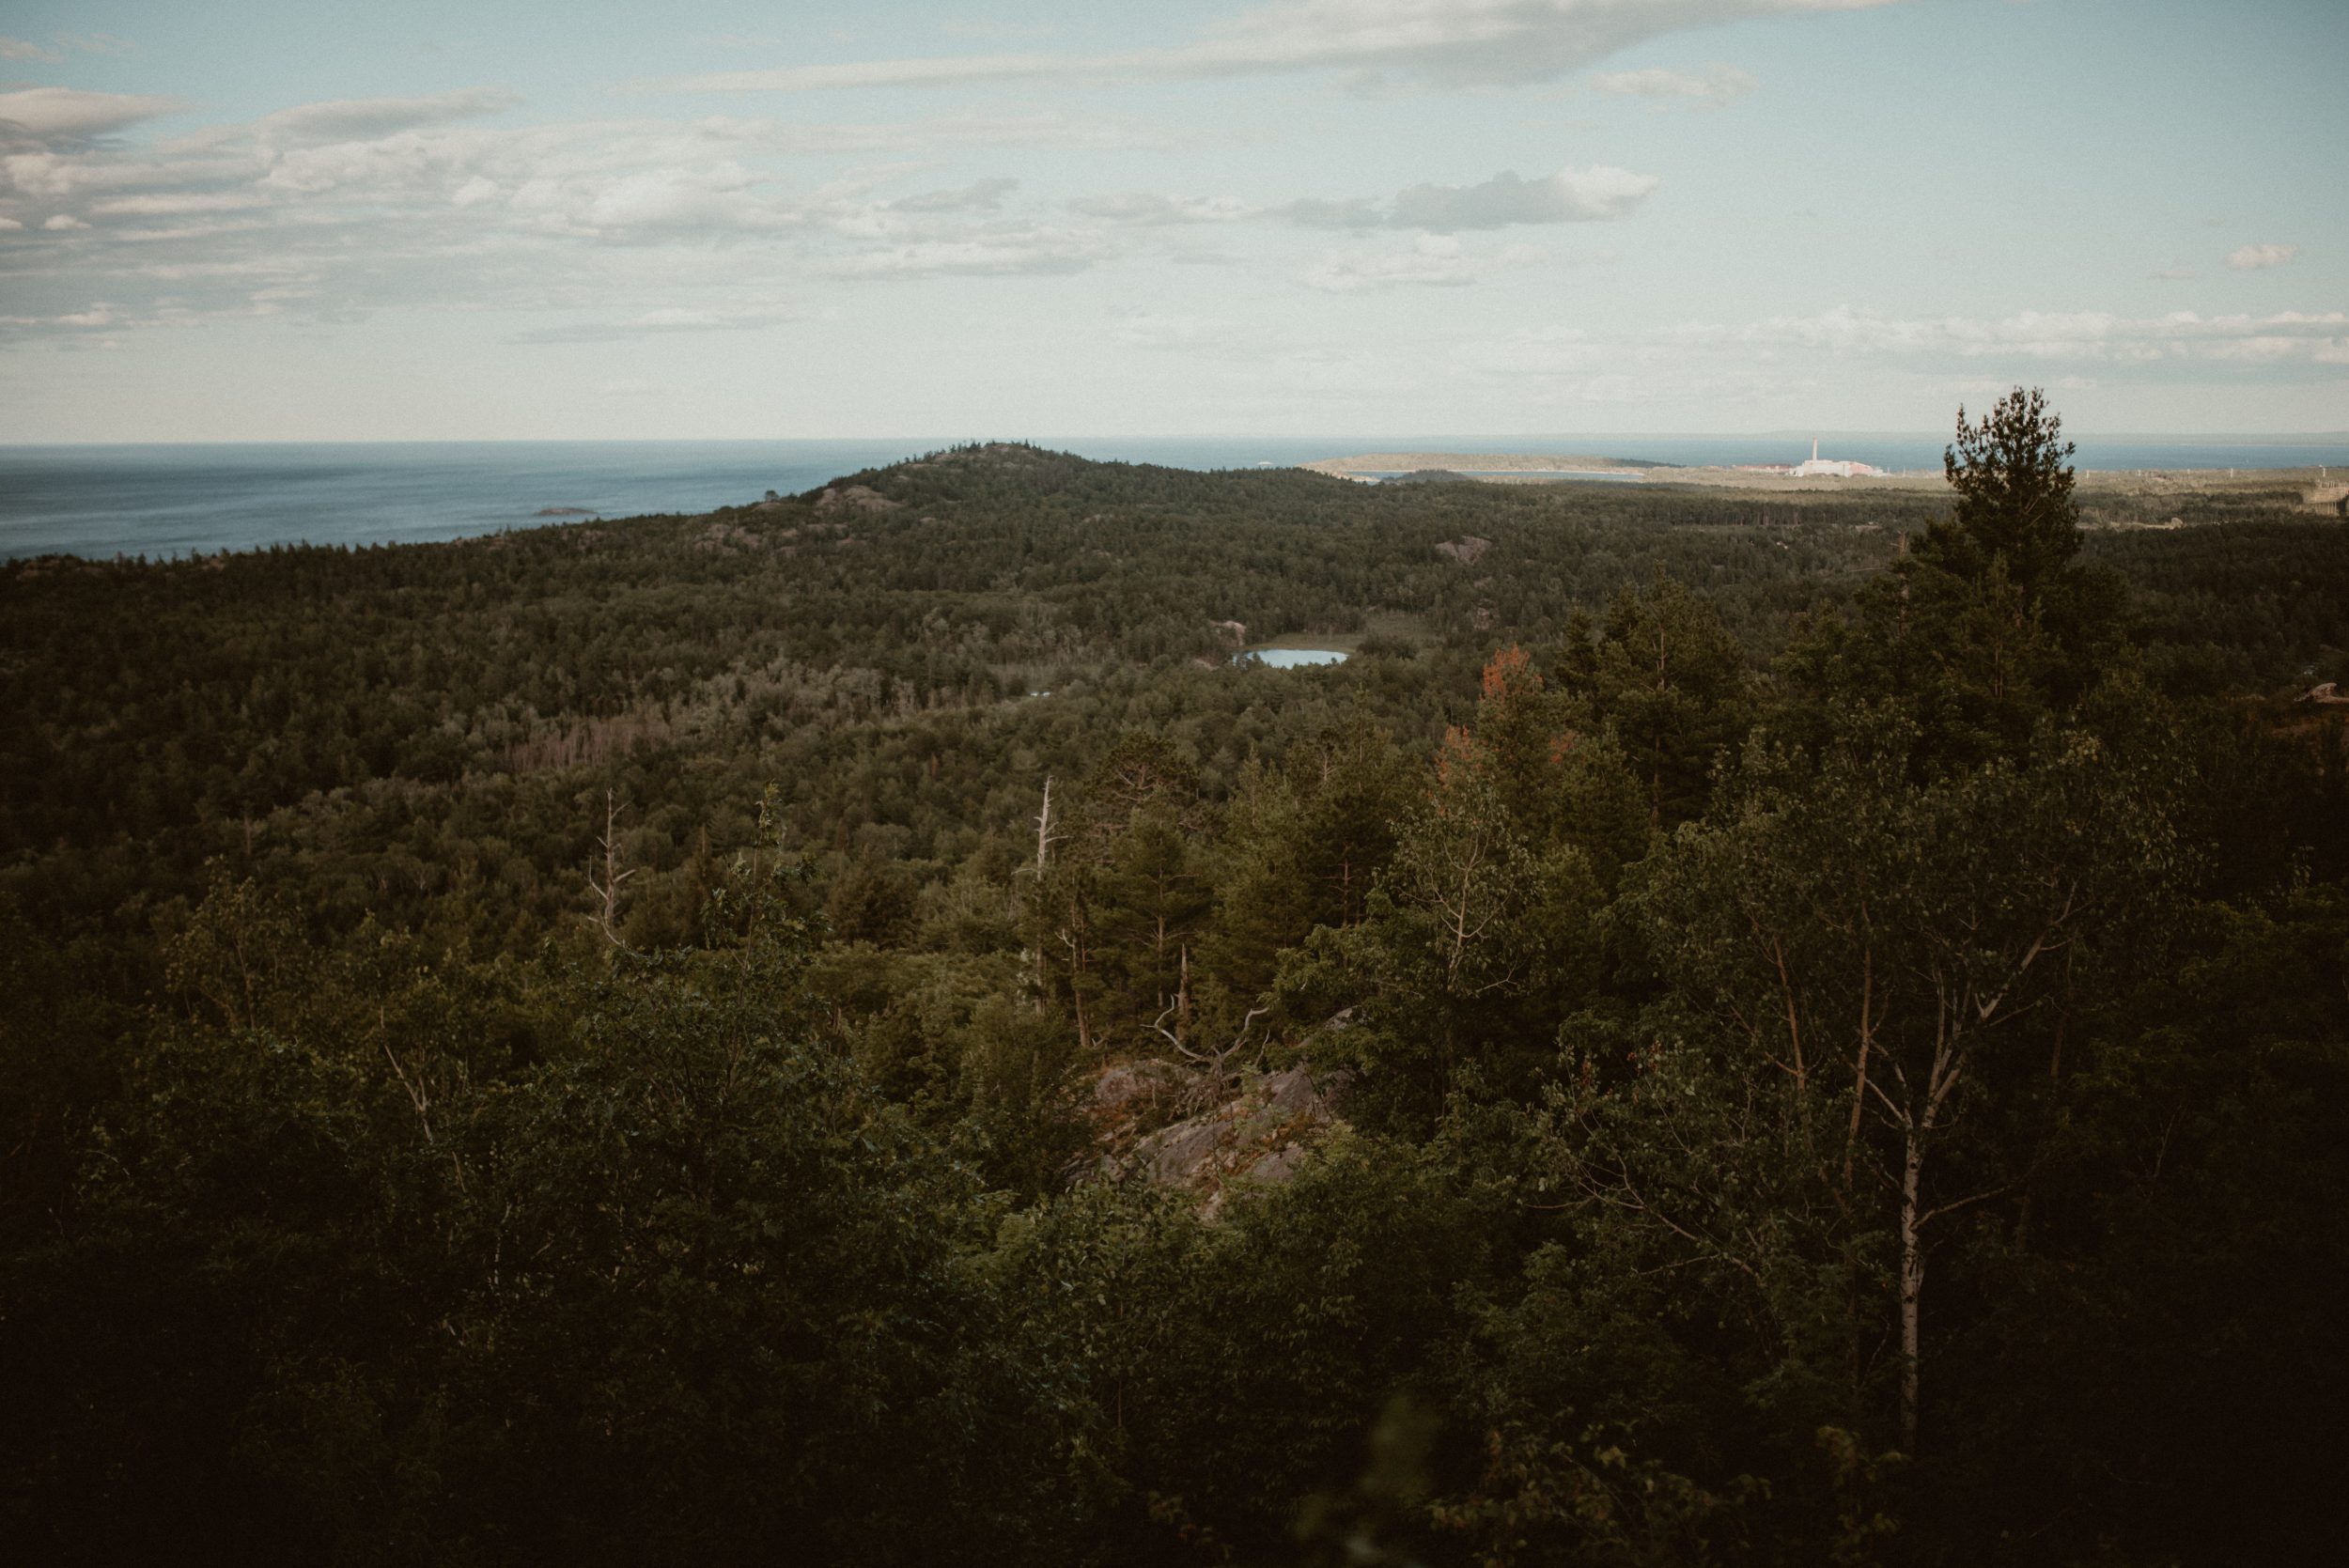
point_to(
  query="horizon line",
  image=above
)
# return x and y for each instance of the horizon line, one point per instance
(1803, 433)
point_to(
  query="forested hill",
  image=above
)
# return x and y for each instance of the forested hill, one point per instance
(868, 648)
(1734, 1028)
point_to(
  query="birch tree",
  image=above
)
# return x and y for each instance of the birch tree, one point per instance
(1894, 963)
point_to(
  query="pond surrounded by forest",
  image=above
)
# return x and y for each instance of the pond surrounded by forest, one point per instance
(1290, 658)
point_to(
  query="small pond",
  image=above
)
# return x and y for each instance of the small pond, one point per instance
(1289, 659)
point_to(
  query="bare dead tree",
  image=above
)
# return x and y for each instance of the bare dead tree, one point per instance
(1032, 958)
(1044, 835)
(1212, 1065)
(607, 893)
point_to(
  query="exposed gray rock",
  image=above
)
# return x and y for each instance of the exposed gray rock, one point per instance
(1262, 1134)
(1118, 1087)
(862, 498)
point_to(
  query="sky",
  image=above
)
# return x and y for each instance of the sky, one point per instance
(298, 222)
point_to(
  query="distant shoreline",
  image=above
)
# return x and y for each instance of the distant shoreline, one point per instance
(165, 500)
(1519, 468)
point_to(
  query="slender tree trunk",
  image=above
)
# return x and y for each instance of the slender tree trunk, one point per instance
(1044, 835)
(1912, 1287)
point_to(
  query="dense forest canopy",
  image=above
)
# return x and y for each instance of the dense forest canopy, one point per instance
(1736, 1027)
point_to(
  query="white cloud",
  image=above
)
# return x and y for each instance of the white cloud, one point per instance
(366, 118)
(651, 323)
(542, 218)
(176, 203)
(96, 316)
(54, 114)
(2041, 337)
(1571, 196)
(2251, 259)
(20, 49)
(408, 161)
(1009, 255)
(1443, 42)
(1144, 210)
(54, 175)
(1720, 84)
(1041, 130)
(64, 221)
(1431, 261)
(1764, 362)
(980, 196)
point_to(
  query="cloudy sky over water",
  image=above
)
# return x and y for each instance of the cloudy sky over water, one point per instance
(287, 221)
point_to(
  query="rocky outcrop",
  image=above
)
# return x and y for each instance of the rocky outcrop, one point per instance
(727, 538)
(857, 497)
(1464, 549)
(1262, 1134)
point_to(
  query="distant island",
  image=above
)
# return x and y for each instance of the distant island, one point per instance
(564, 512)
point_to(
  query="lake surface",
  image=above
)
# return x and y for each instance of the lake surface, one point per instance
(159, 500)
(1291, 659)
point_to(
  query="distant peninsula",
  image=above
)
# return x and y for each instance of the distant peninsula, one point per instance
(1519, 467)
(1478, 465)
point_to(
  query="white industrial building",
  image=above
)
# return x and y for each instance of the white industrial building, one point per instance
(1830, 468)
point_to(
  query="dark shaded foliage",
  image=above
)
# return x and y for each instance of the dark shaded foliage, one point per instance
(1850, 1042)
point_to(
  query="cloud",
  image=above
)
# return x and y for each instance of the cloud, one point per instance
(652, 323)
(1571, 196)
(1143, 211)
(710, 199)
(1431, 261)
(983, 256)
(2095, 336)
(96, 316)
(981, 196)
(1438, 42)
(70, 114)
(407, 161)
(1720, 84)
(365, 119)
(63, 222)
(178, 204)
(1350, 212)
(1760, 360)
(87, 44)
(2253, 258)
(2173, 274)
